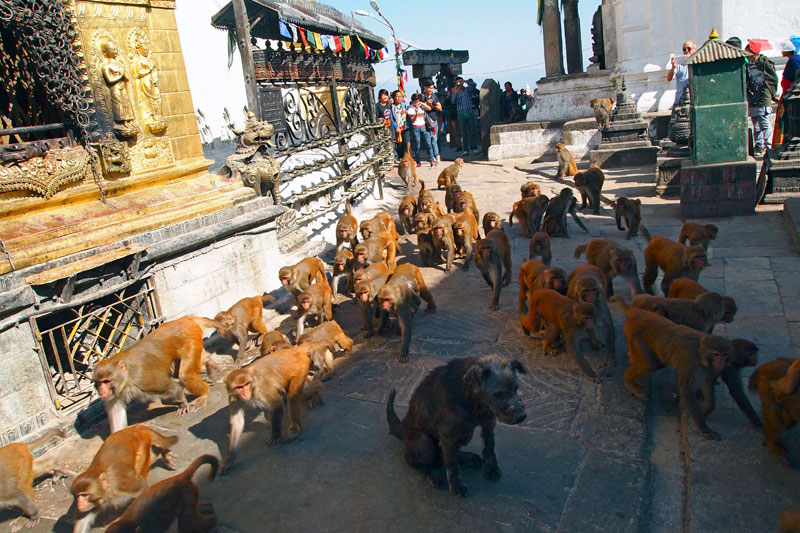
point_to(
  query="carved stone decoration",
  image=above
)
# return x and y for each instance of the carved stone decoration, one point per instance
(151, 152)
(290, 237)
(145, 77)
(115, 158)
(598, 51)
(45, 175)
(115, 75)
(680, 123)
(252, 162)
(626, 122)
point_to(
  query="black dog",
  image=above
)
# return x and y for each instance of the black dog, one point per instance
(446, 407)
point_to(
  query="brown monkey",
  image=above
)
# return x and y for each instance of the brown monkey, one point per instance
(265, 385)
(314, 300)
(234, 324)
(587, 284)
(401, 296)
(788, 383)
(536, 211)
(689, 289)
(18, 470)
(555, 216)
(118, 471)
(347, 229)
(566, 163)
(529, 188)
(780, 411)
(492, 220)
(342, 267)
(368, 281)
(563, 316)
(493, 259)
(535, 275)
(427, 251)
(655, 342)
(331, 336)
(590, 184)
(701, 314)
(144, 371)
(173, 498)
(466, 202)
(612, 260)
(465, 233)
(407, 170)
(299, 277)
(381, 222)
(521, 210)
(676, 260)
(442, 236)
(451, 196)
(539, 246)
(631, 211)
(272, 341)
(423, 194)
(379, 247)
(697, 234)
(406, 212)
(745, 353)
(428, 205)
(602, 111)
(449, 174)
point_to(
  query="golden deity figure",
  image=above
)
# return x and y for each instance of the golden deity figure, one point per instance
(145, 74)
(116, 79)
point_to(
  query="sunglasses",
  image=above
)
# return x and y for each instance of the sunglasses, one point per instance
(687, 49)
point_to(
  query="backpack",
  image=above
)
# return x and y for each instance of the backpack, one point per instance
(756, 82)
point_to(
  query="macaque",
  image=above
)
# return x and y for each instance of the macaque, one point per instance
(689, 289)
(587, 284)
(382, 222)
(522, 210)
(492, 220)
(367, 283)
(602, 111)
(314, 300)
(442, 235)
(555, 217)
(536, 211)
(566, 163)
(451, 196)
(697, 234)
(449, 174)
(781, 412)
(529, 188)
(424, 194)
(493, 259)
(466, 202)
(539, 246)
(676, 260)
(745, 353)
(342, 267)
(701, 314)
(465, 233)
(144, 370)
(406, 213)
(234, 324)
(535, 275)
(173, 498)
(118, 472)
(407, 170)
(379, 247)
(613, 261)
(654, 342)
(562, 316)
(427, 251)
(630, 210)
(329, 334)
(346, 229)
(400, 296)
(272, 341)
(590, 184)
(299, 277)
(265, 385)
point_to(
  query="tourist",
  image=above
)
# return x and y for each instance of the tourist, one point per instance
(398, 119)
(432, 106)
(383, 109)
(510, 97)
(680, 72)
(461, 96)
(762, 87)
(790, 75)
(419, 130)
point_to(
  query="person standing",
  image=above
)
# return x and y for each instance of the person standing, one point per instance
(791, 73)
(461, 97)
(419, 131)
(510, 102)
(432, 107)
(383, 108)
(398, 120)
(681, 72)
(762, 86)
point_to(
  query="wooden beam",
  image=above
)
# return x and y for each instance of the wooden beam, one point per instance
(246, 53)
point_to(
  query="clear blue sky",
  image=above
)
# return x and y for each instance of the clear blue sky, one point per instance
(502, 37)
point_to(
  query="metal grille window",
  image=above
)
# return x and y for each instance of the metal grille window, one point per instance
(71, 341)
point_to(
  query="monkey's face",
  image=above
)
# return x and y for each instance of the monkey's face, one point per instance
(386, 303)
(344, 233)
(339, 266)
(745, 353)
(458, 229)
(305, 303)
(456, 192)
(361, 255)
(588, 294)
(85, 502)
(462, 204)
(729, 309)
(363, 295)
(244, 391)
(716, 352)
(108, 377)
(622, 264)
(438, 232)
(539, 245)
(405, 210)
(484, 251)
(698, 259)
(492, 223)
(426, 205)
(584, 314)
(285, 275)
(365, 233)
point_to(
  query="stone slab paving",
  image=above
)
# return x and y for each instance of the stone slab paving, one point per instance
(588, 457)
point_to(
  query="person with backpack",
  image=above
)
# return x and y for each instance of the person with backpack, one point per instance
(762, 87)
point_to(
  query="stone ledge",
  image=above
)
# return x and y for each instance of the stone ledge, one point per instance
(791, 210)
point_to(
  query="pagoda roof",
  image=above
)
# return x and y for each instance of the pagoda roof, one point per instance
(714, 50)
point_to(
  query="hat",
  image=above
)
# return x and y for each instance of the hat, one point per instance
(734, 41)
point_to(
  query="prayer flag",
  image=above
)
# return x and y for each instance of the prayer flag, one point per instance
(303, 35)
(310, 37)
(283, 28)
(337, 41)
(347, 43)
(317, 40)
(360, 42)
(293, 27)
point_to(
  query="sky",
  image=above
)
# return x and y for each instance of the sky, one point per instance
(502, 37)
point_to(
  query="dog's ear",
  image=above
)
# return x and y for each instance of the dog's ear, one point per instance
(476, 375)
(517, 366)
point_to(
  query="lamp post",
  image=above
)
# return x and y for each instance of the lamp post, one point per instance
(383, 20)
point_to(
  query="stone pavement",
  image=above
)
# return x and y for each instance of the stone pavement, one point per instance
(588, 457)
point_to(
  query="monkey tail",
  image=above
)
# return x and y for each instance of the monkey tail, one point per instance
(395, 426)
(644, 232)
(266, 298)
(44, 439)
(511, 219)
(203, 322)
(422, 183)
(579, 250)
(160, 441)
(348, 209)
(210, 460)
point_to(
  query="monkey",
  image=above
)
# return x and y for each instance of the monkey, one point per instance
(118, 472)
(423, 194)
(521, 210)
(602, 111)
(466, 202)
(347, 229)
(427, 251)
(407, 170)
(448, 175)
(701, 314)
(342, 267)
(493, 259)
(314, 300)
(492, 220)
(535, 275)
(529, 188)
(536, 211)
(697, 234)
(451, 195)
(587, 284)
(630, 210)
(382, 222)
(330, 334)
(654, 342)
(539, 246)
(274, 340)
(555, 217)
(368, 281)
(613, 261)
(234, 324)
(788, 383)
(780, 411)
(676, 260)
(18, 470)
(690, 289)
(173, 498)
(442, 236)
(406, 212)
(379, 247)
(590, 184)
(299, 277)
(566, 163)
(426, 203)
(144, 370)
(562, 316)
(266, 384)
(400, 295)
(465, 233)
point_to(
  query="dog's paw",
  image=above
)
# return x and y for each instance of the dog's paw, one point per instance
(492, 473)
(435, 480)
(470, 460)
(458, 488)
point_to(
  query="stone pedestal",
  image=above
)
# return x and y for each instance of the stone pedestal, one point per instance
(779, 179)
(668, 175)
(718, 190)
(567, 97)
(624, 154)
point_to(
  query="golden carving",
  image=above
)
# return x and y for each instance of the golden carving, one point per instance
(115, 158)
(150, 153)
(145, 76)
(116, 79)
(45, 175)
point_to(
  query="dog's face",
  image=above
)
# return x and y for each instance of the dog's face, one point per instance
(493, 383)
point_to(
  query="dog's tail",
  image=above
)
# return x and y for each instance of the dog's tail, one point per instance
(395, 427)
